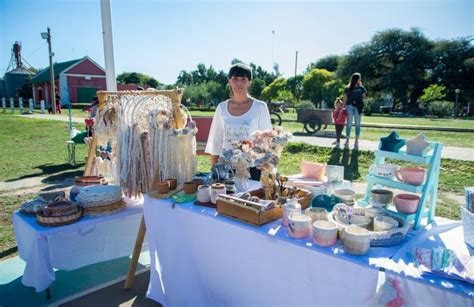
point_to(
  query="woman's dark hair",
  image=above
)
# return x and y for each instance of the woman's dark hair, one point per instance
(240, 70)
(353, 81)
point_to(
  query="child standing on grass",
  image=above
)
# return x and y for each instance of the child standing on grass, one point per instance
(340, 116)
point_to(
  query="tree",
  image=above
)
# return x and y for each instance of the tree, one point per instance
(434, 92)
(313, 85)
(295, 85)
(270, 92)
(394, 61)
(454, 65)
(330, 62)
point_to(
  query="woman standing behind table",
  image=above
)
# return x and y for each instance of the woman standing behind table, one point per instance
(354, 103)
(238, 117)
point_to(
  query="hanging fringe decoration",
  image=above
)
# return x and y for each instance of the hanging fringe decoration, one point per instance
(142, 134)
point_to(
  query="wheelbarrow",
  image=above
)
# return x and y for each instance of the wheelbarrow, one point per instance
(313, 119)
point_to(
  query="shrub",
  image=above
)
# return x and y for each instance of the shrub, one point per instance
(371, 106)
(440, 108)
(304, 104)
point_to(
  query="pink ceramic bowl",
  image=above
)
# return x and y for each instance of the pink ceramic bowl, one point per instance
(406, 203)
(411, 175)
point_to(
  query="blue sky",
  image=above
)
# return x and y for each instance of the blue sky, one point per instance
(161, 38)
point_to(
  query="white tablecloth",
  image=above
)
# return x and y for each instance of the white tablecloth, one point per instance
(199, 258)
(431, 290)
(91, 240)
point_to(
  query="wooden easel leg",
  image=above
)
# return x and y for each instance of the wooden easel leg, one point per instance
(136, 253)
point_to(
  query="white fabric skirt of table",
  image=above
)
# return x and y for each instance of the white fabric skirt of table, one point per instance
(200, 258)
(90, 240)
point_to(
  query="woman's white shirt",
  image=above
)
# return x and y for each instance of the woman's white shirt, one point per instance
(227, 128)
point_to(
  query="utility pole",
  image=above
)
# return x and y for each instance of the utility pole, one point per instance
(47, 37)
(296, 67)
(296, 62)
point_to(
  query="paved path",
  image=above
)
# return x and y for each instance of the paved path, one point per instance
(457, 153)
(62, 118)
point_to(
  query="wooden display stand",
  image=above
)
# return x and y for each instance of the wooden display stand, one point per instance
(175, 96)
(429, 188)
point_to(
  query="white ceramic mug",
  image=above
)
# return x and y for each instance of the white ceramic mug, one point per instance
(204, 194)
(383, 170)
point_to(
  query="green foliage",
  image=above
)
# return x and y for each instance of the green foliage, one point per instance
(441, 108)
(257, 87)
(321, 84)
(270, 92)
(285, 96)
(139, 79)
(330, 63)
(295, 85)
(304, 104)
(434, 92)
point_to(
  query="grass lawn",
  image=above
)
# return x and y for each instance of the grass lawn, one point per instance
(31, 147)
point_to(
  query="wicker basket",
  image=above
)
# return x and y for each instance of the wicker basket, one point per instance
(468, 226)
(105, 210)
(58, 220)
(390, 237)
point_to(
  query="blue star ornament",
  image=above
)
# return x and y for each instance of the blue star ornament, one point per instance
(418, 146)
(392, 142)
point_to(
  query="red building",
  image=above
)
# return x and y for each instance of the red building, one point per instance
(76, 81)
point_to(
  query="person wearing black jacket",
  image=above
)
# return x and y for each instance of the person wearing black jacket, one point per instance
(354, 103)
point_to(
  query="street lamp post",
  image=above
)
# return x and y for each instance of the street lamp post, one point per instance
(47, 37)
(457, 91)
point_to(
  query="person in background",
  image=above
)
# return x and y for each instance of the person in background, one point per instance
(58, 103)
(92, 107)
(354, 104)
(237, 118)
(340, 116)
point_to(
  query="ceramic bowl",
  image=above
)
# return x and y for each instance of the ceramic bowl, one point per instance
(324, 233)
(411, 175)
(346, 195)
(384, 223)
(381, 196)
(316, 213)
(406, 203)
(383, 170)
(358, 220)
(299, 225)
(373, 211)
(356, 240)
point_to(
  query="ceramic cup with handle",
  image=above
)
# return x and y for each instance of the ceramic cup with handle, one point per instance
(383, 170)
(411, 175)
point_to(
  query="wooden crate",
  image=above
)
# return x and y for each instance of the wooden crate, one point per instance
(253, 216)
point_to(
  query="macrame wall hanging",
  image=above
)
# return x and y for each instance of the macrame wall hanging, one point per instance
(142, 137)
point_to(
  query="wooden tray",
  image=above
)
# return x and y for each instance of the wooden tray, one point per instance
(253, 216)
